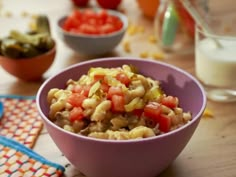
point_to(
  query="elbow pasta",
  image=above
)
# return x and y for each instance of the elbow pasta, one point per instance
(115, 103)
(100, 111)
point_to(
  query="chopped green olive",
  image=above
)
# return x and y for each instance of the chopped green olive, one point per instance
(28, 44)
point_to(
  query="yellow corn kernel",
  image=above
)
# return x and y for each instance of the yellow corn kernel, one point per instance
(208, 113)
(34, 16)
(24, 14)
(158, 56)
(140, 29)
(152, 39)
(126, 46)
(144, 54)
(8, 14)
(132, 30)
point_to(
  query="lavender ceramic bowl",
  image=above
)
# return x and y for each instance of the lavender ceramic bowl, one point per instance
(132, 158)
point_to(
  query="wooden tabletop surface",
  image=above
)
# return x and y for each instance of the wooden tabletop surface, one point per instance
(212, 150)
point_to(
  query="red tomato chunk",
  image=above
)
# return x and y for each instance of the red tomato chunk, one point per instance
(76, 99)
(92, 22)
(76, 114)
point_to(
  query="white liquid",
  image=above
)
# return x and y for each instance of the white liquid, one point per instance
(216, 66)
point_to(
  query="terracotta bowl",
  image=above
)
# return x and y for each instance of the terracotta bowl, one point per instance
(129, 158)
(29, 69)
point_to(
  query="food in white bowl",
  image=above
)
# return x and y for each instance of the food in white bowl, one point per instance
(92, 32)
(92, 22)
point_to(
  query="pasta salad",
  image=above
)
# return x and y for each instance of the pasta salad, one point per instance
(115, 103)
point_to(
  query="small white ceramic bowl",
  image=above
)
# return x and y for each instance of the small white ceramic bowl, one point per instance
(93, 45)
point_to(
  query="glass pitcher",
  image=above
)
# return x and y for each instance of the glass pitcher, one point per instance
(174, 28)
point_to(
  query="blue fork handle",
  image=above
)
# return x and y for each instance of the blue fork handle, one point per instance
(1, 109)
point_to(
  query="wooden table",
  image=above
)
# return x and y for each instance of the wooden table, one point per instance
(212, 150)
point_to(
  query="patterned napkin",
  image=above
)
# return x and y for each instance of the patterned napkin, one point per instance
(21, 120)
(19, 129)
(19, 161)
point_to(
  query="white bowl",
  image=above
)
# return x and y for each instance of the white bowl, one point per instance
(93, 45)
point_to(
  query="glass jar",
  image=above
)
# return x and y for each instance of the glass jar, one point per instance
(174, 28)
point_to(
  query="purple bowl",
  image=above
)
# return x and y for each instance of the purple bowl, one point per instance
(133, 158)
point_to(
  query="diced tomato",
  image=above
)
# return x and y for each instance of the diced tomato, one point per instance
(70, 23)
(114, 91)
(104, 87)
(106, 29)
(82, 89)
(102, 15)
(118, 24)
(76, 14)
(88, 29)
(98, 77)
(88, 13)
(164, 123)
(92, 22)
(76, 114)
(138, 112)
(123, 78)
(76, 99)
(170, 101)
(86, 89)
(111, 19)
(118, 103)
(115, 22)
(153, 110)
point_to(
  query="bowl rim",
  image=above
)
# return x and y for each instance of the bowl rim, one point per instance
(118, 14)
(197, 117)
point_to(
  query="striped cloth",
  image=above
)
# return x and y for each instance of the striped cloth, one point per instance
(21, 120)
(20, 126)
(16, 160)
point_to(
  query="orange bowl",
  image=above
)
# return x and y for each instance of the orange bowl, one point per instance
(29, 69)
(148, 7)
